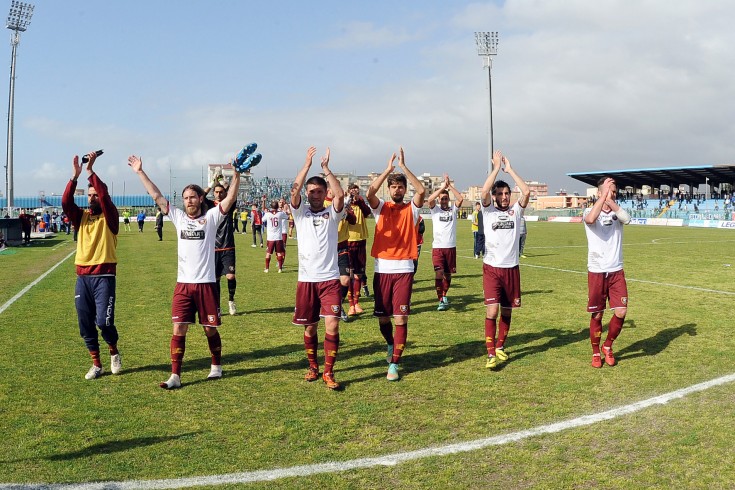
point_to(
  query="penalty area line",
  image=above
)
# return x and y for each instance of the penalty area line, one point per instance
(390, 459)
(23, 291)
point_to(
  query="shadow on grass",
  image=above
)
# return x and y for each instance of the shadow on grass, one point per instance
(517, 349)
(657, 343)
(108, 447)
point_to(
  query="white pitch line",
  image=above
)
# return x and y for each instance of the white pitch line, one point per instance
(695, 288)
(387, 460)
(25, 289)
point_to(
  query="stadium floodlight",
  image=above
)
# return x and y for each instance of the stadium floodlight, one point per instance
(19, 18)
(487, 47)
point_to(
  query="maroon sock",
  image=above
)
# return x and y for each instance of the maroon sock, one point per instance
(446, 282)
(503, 329)
(310, 344)
(215, 347)
(268, 262)
(331, 346)
(355, 292)
(280, 258)
(113, 349)
(178, 347)
(387, 330)
(439, 288)
(95, 354)
(613, 330)
(490, 326)
(595, 333)
(400, 343)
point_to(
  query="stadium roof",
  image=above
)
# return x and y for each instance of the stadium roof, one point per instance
(656, 177)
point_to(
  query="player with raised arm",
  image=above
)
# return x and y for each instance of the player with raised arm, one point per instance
(274, 219)
(318, 287)
(96, 265)
(444, 246)
(605, 275)
(501, 275)
(195, 293)
(224, 244)
(394, 249)
(357, 246)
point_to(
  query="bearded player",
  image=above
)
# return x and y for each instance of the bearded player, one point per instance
(318, 286)
(195, 293)
(605, 276)
(501, 275)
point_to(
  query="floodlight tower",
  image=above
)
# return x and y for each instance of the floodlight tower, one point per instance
(18, 21)
(487, 47)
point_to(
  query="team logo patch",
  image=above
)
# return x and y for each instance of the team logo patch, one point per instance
(624, 299)
(403, 308)
(211, 318)
(511, 212)
(517, 302)
(615, 217)
(335, 309)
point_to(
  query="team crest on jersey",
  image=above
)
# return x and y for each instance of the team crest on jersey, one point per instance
(202, 221)
(335, 309)
(624, 299)
(511, 212)
(403, 308)
(211, 319)
(517, 302)
(615, 217)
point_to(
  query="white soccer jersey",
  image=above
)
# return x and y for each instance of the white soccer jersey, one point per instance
(317, 243)
(444, 227)
(284, 223)
(196, 237)
(605, 242)
(502, 230)
(274, 225)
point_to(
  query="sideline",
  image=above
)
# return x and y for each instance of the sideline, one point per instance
(23, 291)
(390, 459)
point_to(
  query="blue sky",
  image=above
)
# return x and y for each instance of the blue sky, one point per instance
(577, 86)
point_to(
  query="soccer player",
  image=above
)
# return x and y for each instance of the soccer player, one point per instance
(196, 290)
(605, 276)
(96, 264)
(256, 219)
(501, 276)
(317, 289)
(394, 249)
(224, 244)
(274, 219)
(283, 206)
(444, 246)
(357, 245)
(126, 219)
(478, 231)
(343, 254)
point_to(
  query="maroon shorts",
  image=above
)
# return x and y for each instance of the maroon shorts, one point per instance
(610, 286)
(444, 259)
(196, 299)
(358, 256)
(502, 285)
(276, 245)
(392, 294)
(315, 300)
(284, 237)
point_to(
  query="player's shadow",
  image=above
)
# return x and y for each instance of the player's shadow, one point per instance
(443, 356)
(657, 343)
(518, 348)
(109, 447)
(456, 303)
(202, 363)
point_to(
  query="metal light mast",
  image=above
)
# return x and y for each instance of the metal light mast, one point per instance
(487, 46)
(18, 21)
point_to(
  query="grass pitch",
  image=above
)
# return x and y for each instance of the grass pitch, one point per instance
(58, 427)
